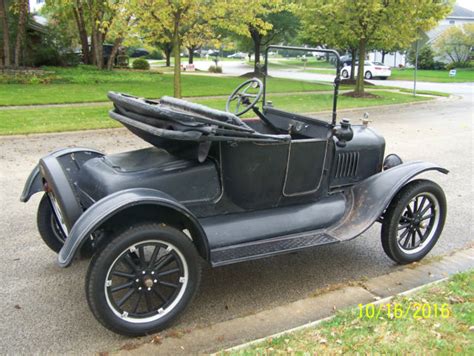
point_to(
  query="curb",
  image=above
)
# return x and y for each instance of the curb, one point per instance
(317, 322)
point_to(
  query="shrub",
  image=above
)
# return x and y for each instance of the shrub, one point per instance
(155, 54)
(215, 69)
(141, 63)
(425, 57)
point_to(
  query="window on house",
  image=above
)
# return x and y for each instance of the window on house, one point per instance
(452, 22)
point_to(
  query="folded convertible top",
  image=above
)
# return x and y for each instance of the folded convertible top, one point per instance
(178, 119)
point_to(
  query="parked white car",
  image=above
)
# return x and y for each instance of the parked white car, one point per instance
(239, 55)
(371, 70)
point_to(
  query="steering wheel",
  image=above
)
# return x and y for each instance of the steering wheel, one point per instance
(243, 97)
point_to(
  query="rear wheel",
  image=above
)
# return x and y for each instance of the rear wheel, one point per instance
(414, 221)
(48, 225)
(143, 279)
(368, 75)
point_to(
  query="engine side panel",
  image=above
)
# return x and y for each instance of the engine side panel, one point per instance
(361, 158)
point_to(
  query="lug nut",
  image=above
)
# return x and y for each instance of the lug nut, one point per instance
(152, 272)
(139, 288)
(149, 289)
(137, 280)
(155, 281)
(143, 272)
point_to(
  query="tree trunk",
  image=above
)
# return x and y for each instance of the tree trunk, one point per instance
(92, 52)
(21, 31)
(98, 47)
(257, 41)
(177, 57)
(6, 33)
(353, 60)
(383, 56)
(191, 55)
(113, 53)
(359, 88)
(81, 28)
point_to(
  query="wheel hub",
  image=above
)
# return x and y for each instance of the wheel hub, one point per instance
(148, 282)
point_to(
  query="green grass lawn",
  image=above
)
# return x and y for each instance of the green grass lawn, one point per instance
(292, 62)
(40, 120)
(388, 334)
(440, 76)
(85, 84)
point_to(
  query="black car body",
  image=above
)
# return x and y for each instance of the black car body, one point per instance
(237, 190)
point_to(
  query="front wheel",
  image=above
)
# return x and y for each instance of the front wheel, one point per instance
(345, 74)
(143, 279)
(413, 221)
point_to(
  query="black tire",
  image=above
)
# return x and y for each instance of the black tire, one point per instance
(142, 313)
(383, 78)
(345, 74)
(405, 221)
(368, 75)
(48, 226)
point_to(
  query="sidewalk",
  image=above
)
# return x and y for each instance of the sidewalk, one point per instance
(321, 305)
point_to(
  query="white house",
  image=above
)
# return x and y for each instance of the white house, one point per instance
(458, 17)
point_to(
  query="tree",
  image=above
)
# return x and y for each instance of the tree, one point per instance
(80, 20)
(282, 26)
(323, 25)
(425, 57)
(5, 33)
(376, 23)
(456, 43)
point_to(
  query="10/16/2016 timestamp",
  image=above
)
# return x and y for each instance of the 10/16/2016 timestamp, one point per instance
(400, 311)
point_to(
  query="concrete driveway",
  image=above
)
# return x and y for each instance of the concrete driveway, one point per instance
(44, 307)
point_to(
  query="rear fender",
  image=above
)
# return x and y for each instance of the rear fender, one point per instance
(369, 198)
(34, 183)
(105, 209)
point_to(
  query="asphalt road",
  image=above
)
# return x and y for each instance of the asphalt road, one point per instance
(44, 307)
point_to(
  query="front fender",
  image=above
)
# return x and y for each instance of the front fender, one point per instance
(34, 183)
(369, 198)
(112, 204)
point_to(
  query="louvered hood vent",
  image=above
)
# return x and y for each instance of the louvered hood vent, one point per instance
(347, 164)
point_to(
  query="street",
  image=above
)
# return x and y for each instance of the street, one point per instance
(45, 309)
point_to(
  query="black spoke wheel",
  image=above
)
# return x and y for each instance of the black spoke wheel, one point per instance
(48, 225)
(143, 279)
(413, 221)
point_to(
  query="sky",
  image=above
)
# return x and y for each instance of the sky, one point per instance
(468, 4)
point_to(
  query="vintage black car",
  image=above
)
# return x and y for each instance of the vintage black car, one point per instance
(213, 187)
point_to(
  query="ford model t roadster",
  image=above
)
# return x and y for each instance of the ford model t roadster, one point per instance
(217, 188)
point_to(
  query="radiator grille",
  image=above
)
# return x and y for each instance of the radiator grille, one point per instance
(347, 164)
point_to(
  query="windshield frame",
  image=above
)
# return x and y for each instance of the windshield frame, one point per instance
(337, 80)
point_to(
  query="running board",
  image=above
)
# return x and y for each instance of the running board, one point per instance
(268, 247)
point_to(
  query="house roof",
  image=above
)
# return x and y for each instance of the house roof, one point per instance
(459, 11)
